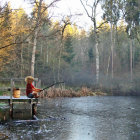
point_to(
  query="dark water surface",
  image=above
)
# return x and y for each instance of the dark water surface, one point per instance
(86, 118)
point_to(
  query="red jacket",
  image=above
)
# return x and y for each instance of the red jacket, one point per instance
(29, 88)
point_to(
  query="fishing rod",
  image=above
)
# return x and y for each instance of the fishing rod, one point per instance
(52, 85)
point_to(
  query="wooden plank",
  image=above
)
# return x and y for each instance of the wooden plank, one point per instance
(11, 91)
(17, 100)
(21, 97)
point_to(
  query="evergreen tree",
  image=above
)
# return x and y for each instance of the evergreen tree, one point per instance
(90, 55)
(132, 17)
(68, 53)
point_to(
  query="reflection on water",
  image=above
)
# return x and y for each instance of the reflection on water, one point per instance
(19, 112)
(4, 112)
(22, 111)
(87, 118)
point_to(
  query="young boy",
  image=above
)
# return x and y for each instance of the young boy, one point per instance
(31, 91)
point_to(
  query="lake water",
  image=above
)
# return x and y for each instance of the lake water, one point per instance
(84, 118)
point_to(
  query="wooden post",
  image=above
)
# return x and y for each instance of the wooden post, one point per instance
(11, 111)
(11, 102)
(31, 105)
(11, 91)
(34, 109)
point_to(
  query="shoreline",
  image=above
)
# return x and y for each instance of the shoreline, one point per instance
(58, 92)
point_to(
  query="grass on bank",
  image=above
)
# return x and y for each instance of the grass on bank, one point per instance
(58, 92)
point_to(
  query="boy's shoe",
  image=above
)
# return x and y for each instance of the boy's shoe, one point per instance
(36, 96)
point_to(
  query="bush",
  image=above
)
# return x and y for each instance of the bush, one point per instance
(84, 91)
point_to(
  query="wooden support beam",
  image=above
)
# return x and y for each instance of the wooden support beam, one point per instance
(11, 91)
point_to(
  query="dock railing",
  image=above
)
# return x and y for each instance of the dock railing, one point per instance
(37, 83)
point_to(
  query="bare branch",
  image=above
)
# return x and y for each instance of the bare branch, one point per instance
(12, 44)
(92, 10)
(36, 26)
(66, 23)
(50, 35)
(51, 4)
(86, 9)
(101, 24)
(24, 40)
(36, 3)
(88, 4)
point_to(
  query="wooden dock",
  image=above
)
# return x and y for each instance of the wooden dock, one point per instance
(30, 102)
(22, 99)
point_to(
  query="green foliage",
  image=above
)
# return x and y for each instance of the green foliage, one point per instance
(90, 55)
(132, 17)
(112, 10)
(68, 53)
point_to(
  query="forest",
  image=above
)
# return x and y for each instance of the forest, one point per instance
(106, 57)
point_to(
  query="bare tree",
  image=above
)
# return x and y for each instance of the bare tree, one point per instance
(91, 11)
(65, 24)
(39, 21)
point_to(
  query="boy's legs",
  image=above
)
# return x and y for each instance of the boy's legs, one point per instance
(30, 95)
(35, 94)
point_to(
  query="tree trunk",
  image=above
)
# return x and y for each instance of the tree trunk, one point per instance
(21, 55)
(47, 59)
(59, 62)
(54, 77)
(35, 38)
(96, 48)
(112, 53)
(93, 17)
(33, 53)
(97, 63)
(107, 70)
(131, 59)
(41, 50)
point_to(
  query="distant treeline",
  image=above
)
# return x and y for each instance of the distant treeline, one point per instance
(60, 51)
